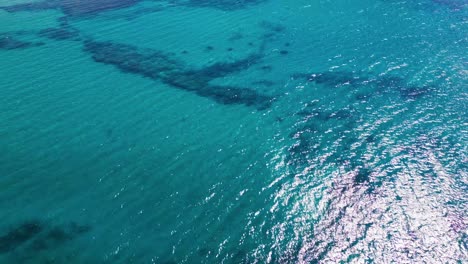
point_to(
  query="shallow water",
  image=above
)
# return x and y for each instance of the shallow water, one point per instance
(218, 131)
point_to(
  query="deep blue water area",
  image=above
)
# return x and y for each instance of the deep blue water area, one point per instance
(233, 131)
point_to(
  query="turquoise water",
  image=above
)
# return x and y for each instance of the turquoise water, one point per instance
(219, 131)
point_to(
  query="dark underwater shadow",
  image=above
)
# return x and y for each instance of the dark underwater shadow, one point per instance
(80, 8)
(165, 67)
(73, 7)
(12, 42)
(36, 235)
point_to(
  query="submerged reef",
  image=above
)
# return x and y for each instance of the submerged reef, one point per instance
(60, 33)
(272, 26)
(38, 235)
(32, 6)
(19, 235)
(89, 7)
(164, 67)
(9, 42)
(381, 83)
(334, 129)
(313, 117)
(64, 31)
(225, 5)
(72, 7)
(93, 7)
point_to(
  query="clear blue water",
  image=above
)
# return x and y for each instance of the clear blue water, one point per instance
(219, 131)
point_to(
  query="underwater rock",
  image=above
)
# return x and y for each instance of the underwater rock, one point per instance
(60, 33)
(209, 48)
(161, 66)
(57, 235)
(8, 42)
(268, 36)
(32, 6)
(314, 120)
(271, 26)
(370, 139)
(341, 114)
(39, 236)
(225, 5)
(265, 83)
(306, 143)
(90, 7)
(361, 96)
(73, 7)
(383, 84)
(63, 21)
(221, 69)
(266, 68)
(131, 15)
(362, 176)
(389, 83)
(20, 235)
(413, 92)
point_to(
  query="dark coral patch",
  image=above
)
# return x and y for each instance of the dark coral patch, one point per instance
(32, 6)
(63, 21)
(370, 139)
(19, 235)
(90, 7)
(413, 92)
(93, 7)
(382, 84)
(73, 7)
(38, 235)
(61, 33)
(221, 69)
(8, 42)
(362, 176)
(266, 68)
(266, 83)
(57, 235)
(164, 67)
(272, 26)
(341, 114)
(226, 5)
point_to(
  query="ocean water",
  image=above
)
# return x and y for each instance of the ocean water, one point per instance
(233, 131)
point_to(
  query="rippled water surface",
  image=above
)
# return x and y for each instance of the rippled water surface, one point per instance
(233, 131)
